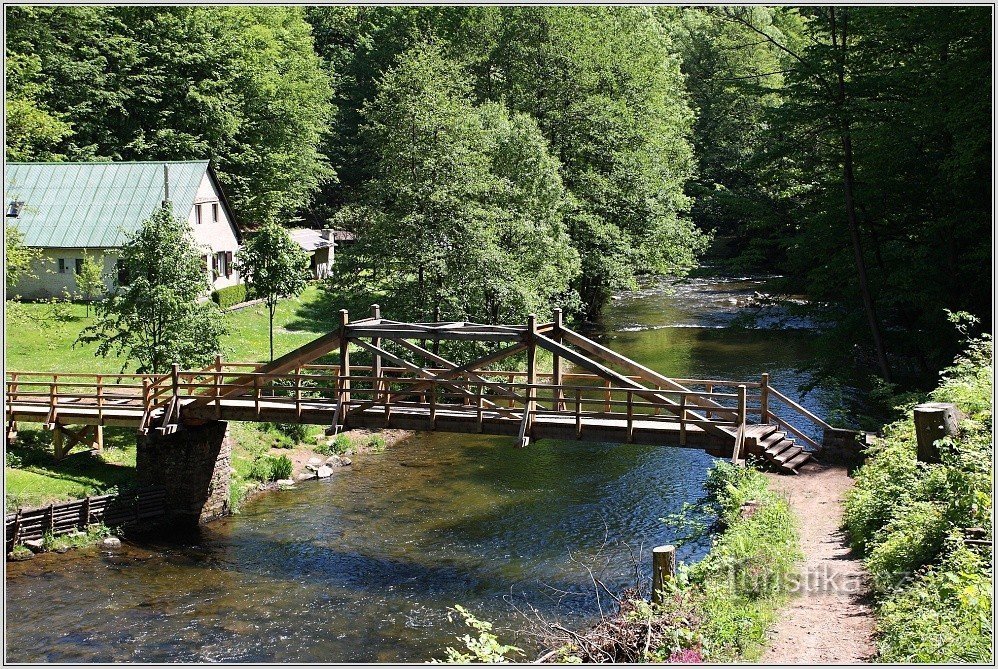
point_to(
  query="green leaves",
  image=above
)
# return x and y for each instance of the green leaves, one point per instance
(158, 317)
(275, 266)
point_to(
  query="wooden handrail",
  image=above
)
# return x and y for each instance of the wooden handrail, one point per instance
(794, 405)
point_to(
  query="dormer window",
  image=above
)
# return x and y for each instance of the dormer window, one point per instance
(14, 208)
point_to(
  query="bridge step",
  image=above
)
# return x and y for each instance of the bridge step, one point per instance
(779, 448)
(794, 464)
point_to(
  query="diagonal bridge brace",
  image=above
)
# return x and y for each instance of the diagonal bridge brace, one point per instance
(431, 378)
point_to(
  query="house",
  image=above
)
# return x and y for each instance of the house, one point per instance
(321, 247)
(66, 210)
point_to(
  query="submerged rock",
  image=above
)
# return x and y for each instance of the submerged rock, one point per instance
(285, 483)
(110, 542)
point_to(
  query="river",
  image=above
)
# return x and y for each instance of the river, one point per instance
(362, 567)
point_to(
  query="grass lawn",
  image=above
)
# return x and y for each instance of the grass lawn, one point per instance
(34, 478)
(40, 338)
(36, 341)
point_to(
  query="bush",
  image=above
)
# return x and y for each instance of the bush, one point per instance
(230, 296)
(341, 444)
(376, 443)
(322, 448)
(907, 519)
(280, 468)
(945, 617)
(261, 469)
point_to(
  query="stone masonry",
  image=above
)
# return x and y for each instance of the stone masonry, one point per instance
(193, 464)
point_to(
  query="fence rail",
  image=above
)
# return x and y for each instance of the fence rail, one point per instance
(65, 517)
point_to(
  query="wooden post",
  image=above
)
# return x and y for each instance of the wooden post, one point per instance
(436, 319)
(934, 421)
(531, 369)
(376, 364)
(736, 453)
(709, 389)
(682, 419)
(606, 404)
(344, 363)
(58, 442)
(479, 404)
(764, 398)
(298, 392)
(578, 413)
(559, 394)
(663, 568)
(630, 416)
(175, 377)
(99, 437)
(100, 397)
(433, 405)
(256, 395)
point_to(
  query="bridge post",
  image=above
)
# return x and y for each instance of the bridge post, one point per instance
(559, 396)
(344, 394)
(764, 398)
(193, 465)
(376, 364)
(530, 404)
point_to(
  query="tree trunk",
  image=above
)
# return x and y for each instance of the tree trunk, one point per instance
(849, 185)
(271, 309)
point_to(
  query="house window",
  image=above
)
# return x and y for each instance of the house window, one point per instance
(122, 273)
(221, 264)
(79, 265)
(214, 212)
(197, 213)
(14, 208)
(62, 265)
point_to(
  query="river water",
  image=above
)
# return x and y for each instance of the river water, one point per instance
(362, 567)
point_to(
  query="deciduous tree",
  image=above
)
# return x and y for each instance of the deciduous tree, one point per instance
(275, 266)
(159, 317)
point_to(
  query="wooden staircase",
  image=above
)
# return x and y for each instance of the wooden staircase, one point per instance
(776, 447)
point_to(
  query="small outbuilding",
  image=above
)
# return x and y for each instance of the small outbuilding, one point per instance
(321, 247)
(69, 210)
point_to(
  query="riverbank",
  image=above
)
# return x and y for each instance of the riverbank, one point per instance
(715, 610)
(925, 530)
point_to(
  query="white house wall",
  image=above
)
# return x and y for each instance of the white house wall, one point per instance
(215, 235)
(46, 280)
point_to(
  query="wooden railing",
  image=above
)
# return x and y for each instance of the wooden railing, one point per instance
(578, 394)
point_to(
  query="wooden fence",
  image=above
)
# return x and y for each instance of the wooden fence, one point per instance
(65, 517)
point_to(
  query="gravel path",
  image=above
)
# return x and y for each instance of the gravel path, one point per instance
(830, 621)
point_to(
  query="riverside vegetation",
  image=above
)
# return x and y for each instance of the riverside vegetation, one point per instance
(910, 520)
(717, 610)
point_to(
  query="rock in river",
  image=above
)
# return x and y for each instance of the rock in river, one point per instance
(324, 472)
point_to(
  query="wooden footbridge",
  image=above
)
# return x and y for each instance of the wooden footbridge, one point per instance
(409, 385)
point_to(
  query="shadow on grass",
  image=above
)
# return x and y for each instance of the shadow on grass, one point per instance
(79, 474)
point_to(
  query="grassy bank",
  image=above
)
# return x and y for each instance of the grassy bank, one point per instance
(909, 519)
(41, 337)
(717, 610)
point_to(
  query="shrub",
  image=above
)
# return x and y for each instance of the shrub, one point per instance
(322, 448)
(261, 468)
(297, 432)
(341, 444)
(907, 517)
(945, 617)
(376, 443)
(230, 296)
(280, 468)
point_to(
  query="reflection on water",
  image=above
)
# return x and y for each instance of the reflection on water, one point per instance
(363, 566)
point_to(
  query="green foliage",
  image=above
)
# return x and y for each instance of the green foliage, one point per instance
(59, 542)
(90, 279)
(281, 468)
(341, 444)
(270, 468)
(463, 208)
(32, 130)
(157, 318)
(945, 617)
(484, 647)
(239, 85)
(229, 296)
(376, 443)
(275, 266)
(323, 448)
(907, 517)
(18, 258)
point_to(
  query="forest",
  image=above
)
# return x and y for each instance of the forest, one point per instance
(500, 161)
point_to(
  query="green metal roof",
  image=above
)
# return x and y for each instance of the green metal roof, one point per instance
(95, 205)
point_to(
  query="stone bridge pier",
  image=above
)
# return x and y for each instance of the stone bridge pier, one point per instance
(193, 465)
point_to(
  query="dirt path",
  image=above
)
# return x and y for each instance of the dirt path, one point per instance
(830, 620)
